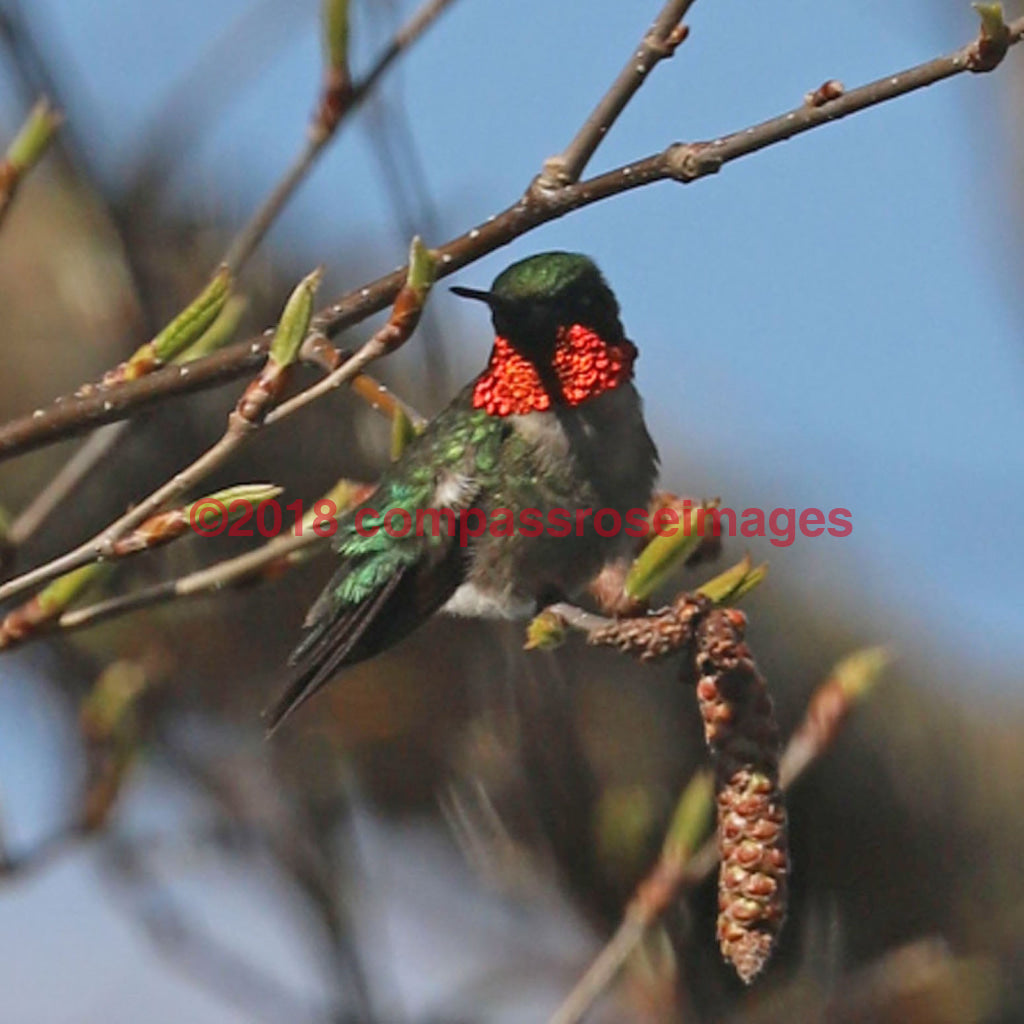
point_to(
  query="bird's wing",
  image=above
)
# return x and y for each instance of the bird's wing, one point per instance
(386, 586)
(344, 632)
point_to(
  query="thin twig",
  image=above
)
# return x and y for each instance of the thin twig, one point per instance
(681, 162)
(65, 483)
(578, 618)
(250, 414)
(660, 42)
(237, 256)
(828, 709)
(230, 572)
(348, 371)
(323, 131)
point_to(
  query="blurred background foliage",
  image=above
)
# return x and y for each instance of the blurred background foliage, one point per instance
(450, 831)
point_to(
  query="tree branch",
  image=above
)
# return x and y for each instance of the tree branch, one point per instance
(339, 99)
(251, 412)
(682, 162)
(660, 42)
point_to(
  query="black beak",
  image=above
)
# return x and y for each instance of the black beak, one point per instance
(474, 293)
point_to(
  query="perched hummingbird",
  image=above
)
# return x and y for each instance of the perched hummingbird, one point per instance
(553, 422)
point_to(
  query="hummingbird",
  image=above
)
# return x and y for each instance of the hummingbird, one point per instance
(553, 422)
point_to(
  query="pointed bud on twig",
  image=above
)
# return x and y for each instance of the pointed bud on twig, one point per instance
(825, 93)
(988, 50)
(291, 331)
(849, 683)
(235, 500)
(422, 269)
(185, 329)
(408, 307)
(728, 587)
(337, 88)
(858, 673)
(48, 604)
(219, 333)
(295, 318)
(35, 136)
(191, 323)
(33, 139)
(993, 24)
(545, 632)
(402, 432)
(690, 819)
(668, 550)
(27, 148)
(335, 34)
(203, 516)
(686, 831)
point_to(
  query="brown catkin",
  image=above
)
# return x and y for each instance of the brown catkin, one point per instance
(743, 737)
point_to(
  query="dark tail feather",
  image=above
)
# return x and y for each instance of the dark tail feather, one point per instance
(411, 594)
(330, 645)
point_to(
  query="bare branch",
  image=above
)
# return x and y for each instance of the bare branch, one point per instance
(682, 162)
(264, 561)
(661, 41)
(340, 97)
(64, 483)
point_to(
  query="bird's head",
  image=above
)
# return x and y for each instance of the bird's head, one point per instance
(559, 338)
(532, 299)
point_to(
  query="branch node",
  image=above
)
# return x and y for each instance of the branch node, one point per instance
(688, 161)
(663, 48)
(553, 177)
(825, 93)
(320, 351)
(986, 53)
(335, 99)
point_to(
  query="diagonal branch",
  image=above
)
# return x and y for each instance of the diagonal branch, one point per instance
(340, 98)
(660, 42)
(682, 162)
(251, 412)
